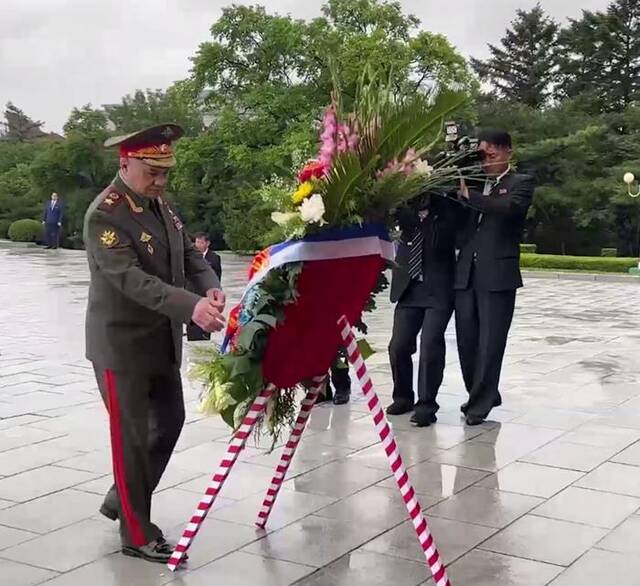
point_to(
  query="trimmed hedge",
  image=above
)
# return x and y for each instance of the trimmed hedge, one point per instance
(25, 231)
(597, 264)
(529, 248)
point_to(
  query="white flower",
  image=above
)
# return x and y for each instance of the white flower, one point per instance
(283, 218)
(312, 210)
(423, 168)
(629, 178)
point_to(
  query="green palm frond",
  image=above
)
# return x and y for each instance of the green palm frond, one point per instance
(416, 124)
(388, 192)
(340, 183)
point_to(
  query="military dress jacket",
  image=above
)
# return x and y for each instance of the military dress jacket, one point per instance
(139, 267)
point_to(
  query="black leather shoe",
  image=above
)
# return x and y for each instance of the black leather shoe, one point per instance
(341, 397)
(465, 406)
(423, 420)
(108, 512)
(399, 408)
(474, 420)
(164, 545)
(157, 551)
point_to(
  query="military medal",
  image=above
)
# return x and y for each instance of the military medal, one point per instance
(176, 221)
(108, 238)
(146, 239)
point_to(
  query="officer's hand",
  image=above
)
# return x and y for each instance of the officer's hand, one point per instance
(217, 298)
(207, 316)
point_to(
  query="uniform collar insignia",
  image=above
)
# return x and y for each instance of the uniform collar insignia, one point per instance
(144, 237)
(136, 209)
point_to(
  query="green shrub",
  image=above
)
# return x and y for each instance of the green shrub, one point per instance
(596, 264)
(531, 248)
(25, 231)
(609, 252)
(4, 228)
(73, 241)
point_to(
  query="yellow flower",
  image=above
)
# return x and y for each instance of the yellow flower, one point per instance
(304, 191)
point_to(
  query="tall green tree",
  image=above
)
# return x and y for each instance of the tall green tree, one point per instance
(578, 159)
(89, 122)
(150, 107)
(623, 25)
(522, 68)
(600, 63)
(19, 127)
(265, 78)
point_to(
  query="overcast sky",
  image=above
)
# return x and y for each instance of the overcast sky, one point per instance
(57, 54)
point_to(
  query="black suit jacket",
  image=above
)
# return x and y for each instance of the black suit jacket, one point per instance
(491, 239)
(438, 255)
(214, 262)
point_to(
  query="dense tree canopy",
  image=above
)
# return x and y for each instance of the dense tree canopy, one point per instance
(569, 92)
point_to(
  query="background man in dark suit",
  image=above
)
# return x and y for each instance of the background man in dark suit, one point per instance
(203, 245)
(488, 272)
(422, 286)
(52, 219)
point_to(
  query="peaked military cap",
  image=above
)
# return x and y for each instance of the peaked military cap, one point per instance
(151, 145)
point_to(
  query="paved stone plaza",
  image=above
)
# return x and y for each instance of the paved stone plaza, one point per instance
(546, 493)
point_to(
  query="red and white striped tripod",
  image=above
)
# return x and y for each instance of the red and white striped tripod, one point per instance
(432, 557)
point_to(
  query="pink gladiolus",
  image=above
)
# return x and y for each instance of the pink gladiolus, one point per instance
(328, 137)
(392, 167)
(354, 141)
(343, 133)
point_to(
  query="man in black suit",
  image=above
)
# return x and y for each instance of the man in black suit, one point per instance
(422, 286)
(488, 272)
(203, 245)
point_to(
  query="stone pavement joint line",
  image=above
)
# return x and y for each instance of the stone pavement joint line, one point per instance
(545, 493)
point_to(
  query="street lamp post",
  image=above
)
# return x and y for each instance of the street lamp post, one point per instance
(630, 179)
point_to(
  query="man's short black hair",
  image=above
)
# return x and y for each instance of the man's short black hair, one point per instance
(202, 235)
(499, 138)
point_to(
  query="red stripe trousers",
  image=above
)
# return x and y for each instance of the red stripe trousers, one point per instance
(146, 415)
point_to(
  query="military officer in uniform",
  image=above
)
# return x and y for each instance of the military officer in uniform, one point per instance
(140, 259)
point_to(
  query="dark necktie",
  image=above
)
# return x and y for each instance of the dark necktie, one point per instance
(155, 208)
(415, 255)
